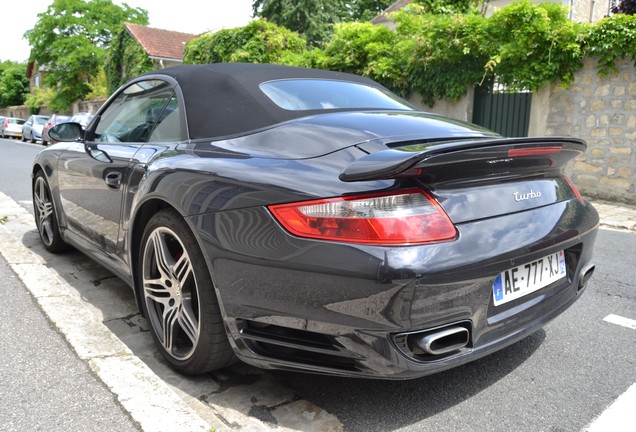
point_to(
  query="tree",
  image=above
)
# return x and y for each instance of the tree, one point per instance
(70, 40)
(14, 85)
(314, 19)
(627, 7)
(365, 10)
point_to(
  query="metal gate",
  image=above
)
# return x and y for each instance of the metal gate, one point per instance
(506, 113)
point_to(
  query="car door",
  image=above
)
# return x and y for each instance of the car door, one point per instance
(93, 174)
(28, 127)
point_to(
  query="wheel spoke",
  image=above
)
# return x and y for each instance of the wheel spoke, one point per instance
(169, 319)
(156, 291)
(189, 323)
(183, 269)
(163, 259)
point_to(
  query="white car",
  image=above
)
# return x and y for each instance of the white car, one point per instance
(11, 127)
(32, 129)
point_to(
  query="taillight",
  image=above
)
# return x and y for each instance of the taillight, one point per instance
(393, 218)
(533, 151)
(577, 194)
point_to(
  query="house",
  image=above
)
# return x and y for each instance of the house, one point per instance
(137, 49)
(164, 47)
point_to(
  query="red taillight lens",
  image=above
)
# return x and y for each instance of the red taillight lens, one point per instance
(533, 151)
(577, 194)
(402, 218)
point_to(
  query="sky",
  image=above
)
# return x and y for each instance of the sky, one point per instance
(188, 16)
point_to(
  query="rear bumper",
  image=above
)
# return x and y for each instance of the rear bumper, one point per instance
(342, 309)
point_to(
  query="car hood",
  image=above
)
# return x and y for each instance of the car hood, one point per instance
(322, 134)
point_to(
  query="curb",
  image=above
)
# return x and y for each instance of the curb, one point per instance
(616, 216)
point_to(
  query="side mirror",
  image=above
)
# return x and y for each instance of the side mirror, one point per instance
(66, 132)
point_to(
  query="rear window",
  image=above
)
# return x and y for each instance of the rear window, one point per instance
(315, 94)
(16, 121)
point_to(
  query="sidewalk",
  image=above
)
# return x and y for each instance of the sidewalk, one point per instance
(615, 215)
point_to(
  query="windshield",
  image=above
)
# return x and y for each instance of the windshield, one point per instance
(316, 94)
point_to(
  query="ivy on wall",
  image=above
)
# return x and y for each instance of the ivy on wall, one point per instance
(257, 42)
(610, 39)
(127, 59)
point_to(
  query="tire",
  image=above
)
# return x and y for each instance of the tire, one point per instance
(33, 140)
(23, 138)
(45, 216)
(178, 298)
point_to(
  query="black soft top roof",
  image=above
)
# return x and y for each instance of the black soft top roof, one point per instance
(224, 99)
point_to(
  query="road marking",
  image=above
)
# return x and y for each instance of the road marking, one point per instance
(619, 320)
(619, 416)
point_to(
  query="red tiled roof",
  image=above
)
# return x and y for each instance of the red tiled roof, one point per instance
(160, 43)
(382, 18)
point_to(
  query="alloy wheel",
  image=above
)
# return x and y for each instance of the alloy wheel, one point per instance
(171, 293)
(44, 211)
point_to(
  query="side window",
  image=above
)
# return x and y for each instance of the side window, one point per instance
(136, 111)
(168, 124)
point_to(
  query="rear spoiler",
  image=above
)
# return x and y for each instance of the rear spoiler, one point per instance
(410, 159)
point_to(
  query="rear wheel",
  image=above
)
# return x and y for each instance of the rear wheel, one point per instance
(45, 217)
(178, 297)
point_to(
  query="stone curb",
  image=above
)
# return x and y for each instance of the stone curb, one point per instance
(616, 216)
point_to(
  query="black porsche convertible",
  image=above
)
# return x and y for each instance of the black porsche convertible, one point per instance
(311, 220)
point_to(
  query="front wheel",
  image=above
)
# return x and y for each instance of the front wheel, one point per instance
(45, 217)
(178, 297)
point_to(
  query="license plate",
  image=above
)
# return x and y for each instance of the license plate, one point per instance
(527, 278)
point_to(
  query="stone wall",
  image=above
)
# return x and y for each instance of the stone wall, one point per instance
(601, 111)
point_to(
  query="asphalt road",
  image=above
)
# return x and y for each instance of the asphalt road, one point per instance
(44, 385)
(559, 379)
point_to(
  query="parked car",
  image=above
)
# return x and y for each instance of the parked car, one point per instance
(11, 127)
(82, 118)
(310, 220)
(55, 119)
(32, 129)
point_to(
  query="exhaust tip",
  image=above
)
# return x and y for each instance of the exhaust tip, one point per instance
(585, 275)
(443, 341)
